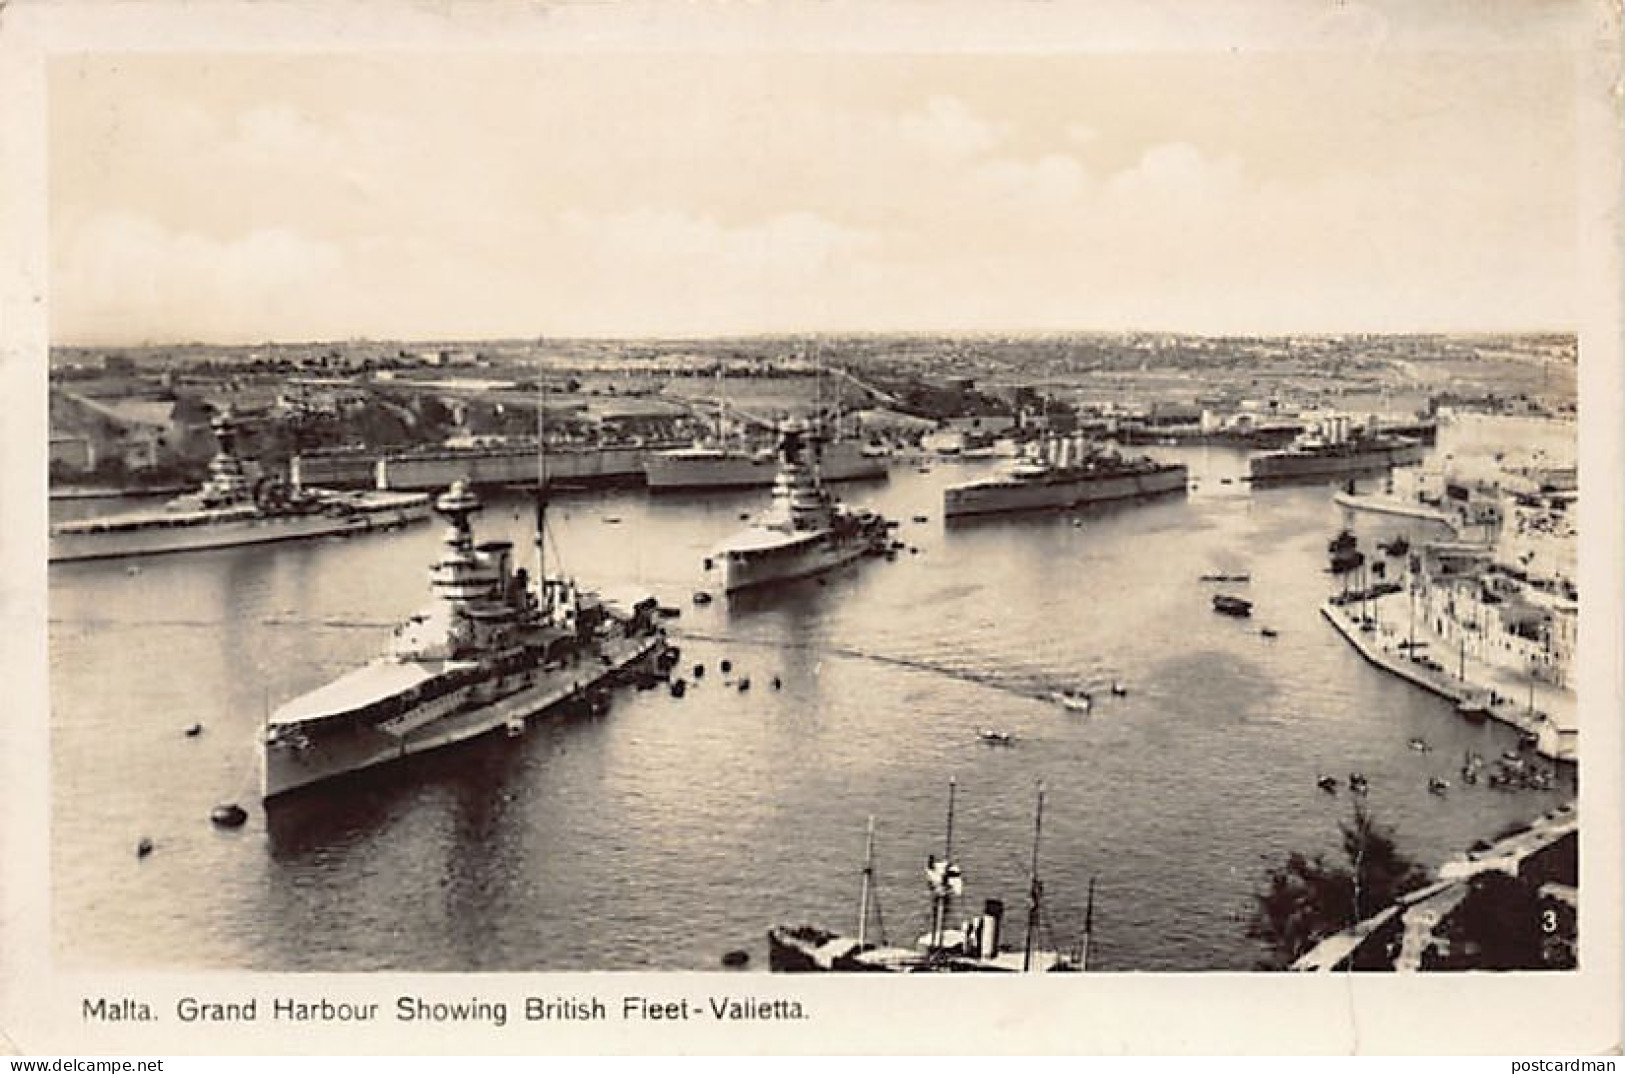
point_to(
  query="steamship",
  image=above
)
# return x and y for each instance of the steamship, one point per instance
(713, 466)
(804, 531)
(1334, 449)
(234, 506)
(490, 651)
(1061, 473)
(978, 945)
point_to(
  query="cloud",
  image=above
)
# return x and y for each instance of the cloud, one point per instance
(128, 276)
(1178, 172)
(1081, 133)
(947, 128)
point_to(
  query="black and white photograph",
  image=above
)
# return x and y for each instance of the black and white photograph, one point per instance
(767, 496)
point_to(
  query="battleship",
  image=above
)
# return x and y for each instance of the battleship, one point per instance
(489, 652)
(977, 946)
(236, 505)
(1063, 473)
(805, 531)
(714, 466)
(1335, 450)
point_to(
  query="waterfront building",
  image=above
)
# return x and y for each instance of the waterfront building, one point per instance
(1511, 602)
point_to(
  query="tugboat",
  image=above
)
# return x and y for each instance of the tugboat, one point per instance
(805, 532)
(492, 650)
(237, 505)
(976, 947)
(1225, 604)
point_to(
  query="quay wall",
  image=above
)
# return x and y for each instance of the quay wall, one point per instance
(427, 470)
(1551, 744)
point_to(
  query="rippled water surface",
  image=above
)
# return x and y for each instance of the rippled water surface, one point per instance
(673, 830)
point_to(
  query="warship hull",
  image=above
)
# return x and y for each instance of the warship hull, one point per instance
(673, 471)
(350, 745)
(160, 534)
(1292, 465)
(786, 562)
(1059, 491)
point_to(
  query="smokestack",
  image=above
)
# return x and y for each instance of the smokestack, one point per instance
(992, 927)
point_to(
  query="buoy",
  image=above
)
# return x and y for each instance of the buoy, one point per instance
(699, 671)
(194, 731)
(727, 666)
(229, 815)
(736, 958)
(143, 848)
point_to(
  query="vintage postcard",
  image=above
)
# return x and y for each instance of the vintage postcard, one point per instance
(670, 528)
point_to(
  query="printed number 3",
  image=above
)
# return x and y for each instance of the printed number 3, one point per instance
(1548, 921)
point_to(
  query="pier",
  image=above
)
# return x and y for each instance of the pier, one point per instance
(1553, 721)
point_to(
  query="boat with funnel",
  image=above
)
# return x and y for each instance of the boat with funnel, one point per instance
(236, 505)
(489, 652)
(712, 465)
(1336, 449)
(978, 945)
(493, 649)
(1061, 473)
(804, 532)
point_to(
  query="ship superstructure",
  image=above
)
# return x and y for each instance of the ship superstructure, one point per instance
(235, 506)
(712, 465)
(979, 945)
(1060, 473)
(491, 650)
(804, 531)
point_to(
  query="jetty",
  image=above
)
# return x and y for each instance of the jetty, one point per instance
(1389, 505)
(1553, 723)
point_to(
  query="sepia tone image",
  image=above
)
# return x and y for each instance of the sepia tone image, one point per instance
(816, 510)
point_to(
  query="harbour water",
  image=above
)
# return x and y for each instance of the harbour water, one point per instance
(672, 830)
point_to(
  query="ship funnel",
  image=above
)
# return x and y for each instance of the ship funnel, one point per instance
(992, 925)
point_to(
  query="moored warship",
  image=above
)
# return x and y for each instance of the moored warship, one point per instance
(1336, 448)
(804, 532)
(714, 466)
(235, 506)
(1063, 473)
(490, 651)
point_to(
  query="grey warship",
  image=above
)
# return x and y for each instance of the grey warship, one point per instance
(490, 651)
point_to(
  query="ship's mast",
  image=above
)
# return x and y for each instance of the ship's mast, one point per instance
(1036, 892)
(943, 892)
(541, 492)
(868, 880)
(1088, 927)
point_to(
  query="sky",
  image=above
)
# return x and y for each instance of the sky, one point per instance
(247, 197)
